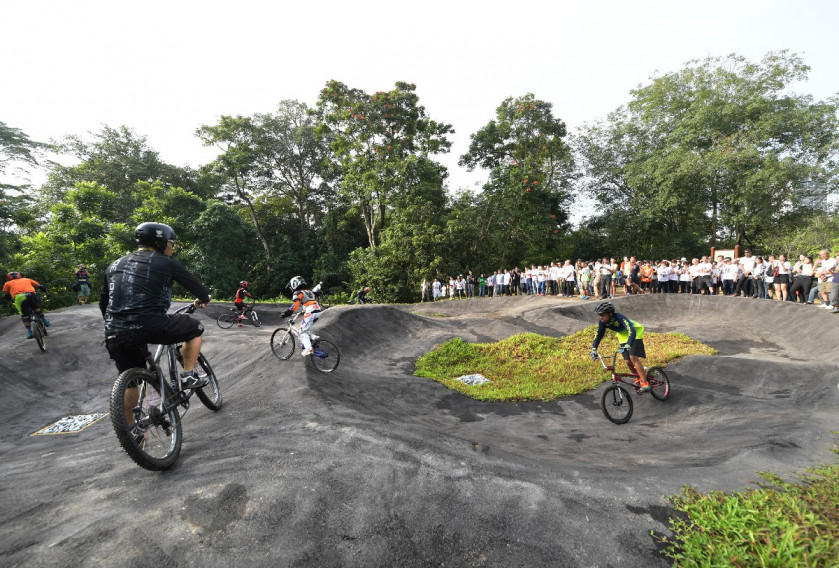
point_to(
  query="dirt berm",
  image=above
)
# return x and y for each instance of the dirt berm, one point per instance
(371, 466)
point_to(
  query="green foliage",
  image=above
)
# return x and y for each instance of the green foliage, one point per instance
(523, 209)
(221, 251)
(373, 141)
(721, 151)
(528, 366)
(780, 524)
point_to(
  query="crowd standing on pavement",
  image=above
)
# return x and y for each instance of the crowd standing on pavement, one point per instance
(807, 281)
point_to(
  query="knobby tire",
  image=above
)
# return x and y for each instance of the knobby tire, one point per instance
(209, 395)
(38, 331)
(153, 440)
(255, 320)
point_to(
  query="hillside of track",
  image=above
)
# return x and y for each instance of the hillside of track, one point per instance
(372, 466)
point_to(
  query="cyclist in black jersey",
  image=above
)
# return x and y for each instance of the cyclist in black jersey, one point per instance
(136, 295)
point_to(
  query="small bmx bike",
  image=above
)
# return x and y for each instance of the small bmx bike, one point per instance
(325, 356)
(615, 401)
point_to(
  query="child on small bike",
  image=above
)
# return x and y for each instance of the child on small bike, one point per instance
(303, 298)
(20, 291)
(241, 294)
(630, 335)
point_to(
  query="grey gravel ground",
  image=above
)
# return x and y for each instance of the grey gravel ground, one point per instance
(371, 466)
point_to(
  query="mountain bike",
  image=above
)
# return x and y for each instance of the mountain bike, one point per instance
(615, 401)
(152, 436)
(39, 330)
(227, 319)
(325, 356)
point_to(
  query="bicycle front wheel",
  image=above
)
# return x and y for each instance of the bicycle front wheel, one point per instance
(39, 331)
(325, 356)
(616, 404)
(659, 383)
(255, 320)
(150, 436)
(227, 320)
(282, 343)
(210, 395)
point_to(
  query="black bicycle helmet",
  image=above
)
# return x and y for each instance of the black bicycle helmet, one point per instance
(12, 275)
(296, 283)
(243, 283)
(154, 235)
(604, 308)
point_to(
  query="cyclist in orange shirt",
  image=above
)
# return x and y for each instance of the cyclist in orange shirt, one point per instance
(21, 292)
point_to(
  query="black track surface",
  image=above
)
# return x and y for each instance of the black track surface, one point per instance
(371, 466)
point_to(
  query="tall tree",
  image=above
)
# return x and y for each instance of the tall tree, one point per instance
(372, 139)
(525, 200)
(273, 155)
(724, 145)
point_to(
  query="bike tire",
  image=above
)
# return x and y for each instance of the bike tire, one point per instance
(255, 320)
(209, 395)
(153, 440)
(325, 356)
(616, 404)
(324, 302)
(282, 343)
(38, 332)
(227, 320)
(659, 383)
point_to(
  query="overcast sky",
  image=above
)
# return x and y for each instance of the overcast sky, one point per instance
(165, 68)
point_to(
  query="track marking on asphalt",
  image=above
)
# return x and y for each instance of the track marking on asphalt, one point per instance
(70, 424)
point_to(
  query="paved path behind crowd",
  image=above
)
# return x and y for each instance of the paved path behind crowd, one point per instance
(371, 466)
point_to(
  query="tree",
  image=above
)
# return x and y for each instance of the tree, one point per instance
(524, 202)
(372, 139)
(722, 148)
(115, 158)
(18, 154)
(272, 156)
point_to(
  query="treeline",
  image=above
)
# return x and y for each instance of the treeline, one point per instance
(349, 191)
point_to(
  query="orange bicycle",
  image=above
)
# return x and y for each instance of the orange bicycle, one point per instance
(615, 401)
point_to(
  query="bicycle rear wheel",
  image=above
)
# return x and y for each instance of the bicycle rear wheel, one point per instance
(616, 404)
(659, 383)
(282, 343)
(255, 320)
(227, 320)
(210, 395)
(38, 331)
(325, 356)
(152, 438)
(324, 302)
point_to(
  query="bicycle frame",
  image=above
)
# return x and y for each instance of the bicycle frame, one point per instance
(178, 397)
(617, 377)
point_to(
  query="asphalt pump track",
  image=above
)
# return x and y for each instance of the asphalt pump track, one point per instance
(372, 466)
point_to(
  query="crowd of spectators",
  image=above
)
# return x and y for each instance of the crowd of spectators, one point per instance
(806, 281)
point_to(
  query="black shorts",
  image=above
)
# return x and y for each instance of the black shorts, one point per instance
(637, 349)
(129, 351)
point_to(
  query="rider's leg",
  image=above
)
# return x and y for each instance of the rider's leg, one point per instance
(637, 366)
(190, 351)
(305, 337)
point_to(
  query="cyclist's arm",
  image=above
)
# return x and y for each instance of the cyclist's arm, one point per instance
(601, 331)
(190, 282)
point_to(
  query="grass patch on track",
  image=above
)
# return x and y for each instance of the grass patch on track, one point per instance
(528, 366)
